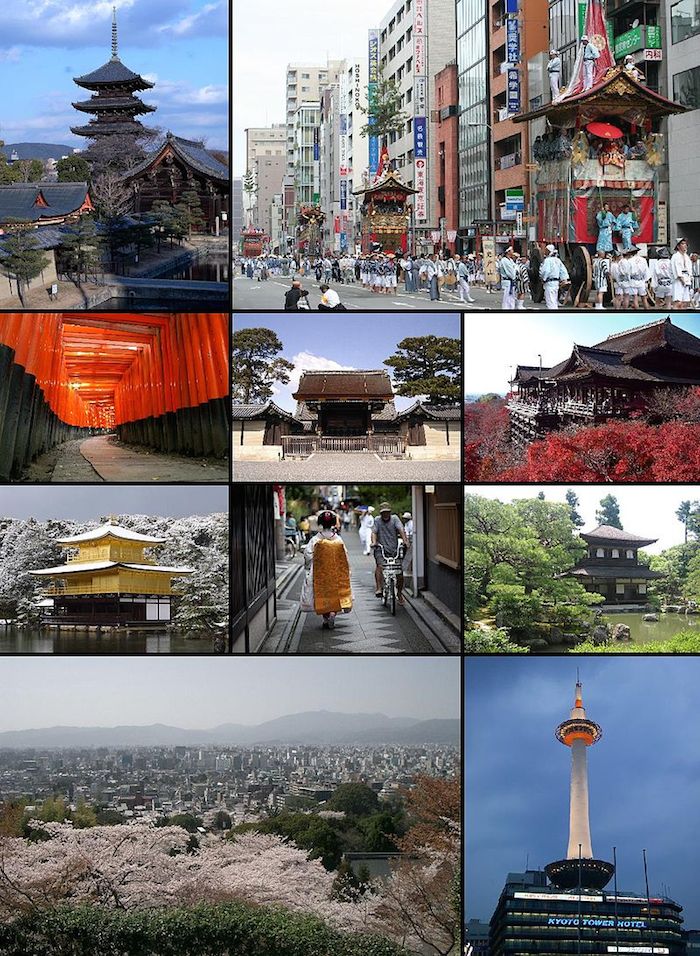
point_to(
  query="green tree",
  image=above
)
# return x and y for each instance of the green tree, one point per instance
(83, 816)
(222, 821)
(52, 810)
(164, 221)
(675, 564)
(73, 169)
(188, 821)
(257, 364)
(80, 248)
(383, 110)
(688, 513)
(191, 205)
(22, 259)
(609, 512)
(381, 829)
(573, 503)
(428, 365)
(109, 818)
(354, 798)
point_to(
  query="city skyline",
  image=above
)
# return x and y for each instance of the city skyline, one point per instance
(203, 692)
(89, 502)
(181, 47)
(517, 785)
(659, 521)
(521, 339)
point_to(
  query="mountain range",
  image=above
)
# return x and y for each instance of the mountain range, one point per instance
(310, 728)
(41, 151)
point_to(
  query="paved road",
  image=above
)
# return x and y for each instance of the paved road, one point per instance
(269, 296)
(370, 627)
(349, 466)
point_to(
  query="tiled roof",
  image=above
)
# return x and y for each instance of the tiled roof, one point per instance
(450, 413)
(249, 412)
(19, 200)
(606, 532)
(648, 338)
(354, 384)
(191, 152)
(614, 571)
(113, 71)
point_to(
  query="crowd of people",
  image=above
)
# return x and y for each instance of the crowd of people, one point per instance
(327, 589)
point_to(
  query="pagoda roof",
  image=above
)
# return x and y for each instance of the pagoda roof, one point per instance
(390, 180)
(387, 413)
(420, 408)
(97, 128)
(256, 410)
(648, 338)
(358, 385)
(109, 530)
(191, 153)
(34, 201)
(617, 94)
(97, 103)
(614, 571)
(84, 567)
(113, 72)
(606, 532)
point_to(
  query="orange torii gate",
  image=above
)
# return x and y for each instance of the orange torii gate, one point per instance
(158, 379)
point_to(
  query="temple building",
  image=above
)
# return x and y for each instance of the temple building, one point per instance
(346, 411)
(611, 567)
(612, 379)
(108, 580)
(43, 204)
(113, 102)
(176, 166)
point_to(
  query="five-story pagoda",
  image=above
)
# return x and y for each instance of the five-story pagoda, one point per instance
(113, 103)
(108, 580)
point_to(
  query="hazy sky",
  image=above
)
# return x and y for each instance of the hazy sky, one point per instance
(180, 45)
(201, 692)
(311, 345)
(643, 510)
(268, 36)
(644, 774)
(491, 347)
(89, 502)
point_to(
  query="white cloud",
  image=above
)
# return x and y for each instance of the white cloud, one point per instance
(196, 23)
(304, 362)
(10, 54)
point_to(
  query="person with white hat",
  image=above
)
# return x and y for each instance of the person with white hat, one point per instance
(552, 273)
(554, 70)
(682, 269)
(508, 272)
(590, 54)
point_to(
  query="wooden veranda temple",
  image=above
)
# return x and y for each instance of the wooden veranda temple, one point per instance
(108, 580)
(612, 379)
(611, 566)
(385, 213)
(177, 166)
(114, 104)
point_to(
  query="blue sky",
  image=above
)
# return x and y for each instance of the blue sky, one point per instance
(362, 342)
(181, 45)
(203, 692)
(644, 775)
(508, 339)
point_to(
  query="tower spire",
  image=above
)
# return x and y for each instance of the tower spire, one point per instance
(115, 55)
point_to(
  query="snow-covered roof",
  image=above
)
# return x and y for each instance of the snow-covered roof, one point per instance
(81, 567)
(111, 530)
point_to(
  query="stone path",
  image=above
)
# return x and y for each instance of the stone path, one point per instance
(347, 467)
(117, 462)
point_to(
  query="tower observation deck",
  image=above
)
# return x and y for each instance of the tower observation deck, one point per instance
(580, 868)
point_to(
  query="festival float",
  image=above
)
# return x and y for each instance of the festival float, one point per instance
(385, 213)
(310, 219)
(603, 145)
(253, 242)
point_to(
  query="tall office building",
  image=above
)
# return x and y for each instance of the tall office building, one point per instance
(416, 42)
(474, 118)
(266, 156)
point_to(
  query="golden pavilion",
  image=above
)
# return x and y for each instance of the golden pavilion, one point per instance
(108, 580)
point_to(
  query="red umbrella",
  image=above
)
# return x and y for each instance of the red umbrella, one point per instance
(605, 131)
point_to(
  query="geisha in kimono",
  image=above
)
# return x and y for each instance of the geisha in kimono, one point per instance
(326, 590)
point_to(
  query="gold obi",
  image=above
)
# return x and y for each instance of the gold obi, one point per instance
(331, 576)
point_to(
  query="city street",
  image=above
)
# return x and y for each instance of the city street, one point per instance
(368, 629)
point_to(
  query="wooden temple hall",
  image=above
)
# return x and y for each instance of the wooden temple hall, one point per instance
(159, 380)
(611, 567)
(345, 411)
(609, 380)
(108, 580)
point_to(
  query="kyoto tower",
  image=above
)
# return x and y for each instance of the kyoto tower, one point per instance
(579, 868)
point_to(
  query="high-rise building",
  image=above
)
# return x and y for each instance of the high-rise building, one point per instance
(416, 41)
(474, 123)
(237, 216)
(266, 157)
(566, 909)
(682, 49)
(307, 154)
(446, 128)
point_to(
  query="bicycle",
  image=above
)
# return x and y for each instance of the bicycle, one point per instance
(391, 572)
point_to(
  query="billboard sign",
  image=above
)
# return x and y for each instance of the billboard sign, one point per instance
(373, 78)
(513, 91)
(512, 40)
(420, 200)
(420, 137)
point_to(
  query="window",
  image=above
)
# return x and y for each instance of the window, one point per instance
(642, 588)
(600, 552)
(619, 588)
(686, 88)
(629, 553)
(615, 553)
(685, 20)
(306, 76)
(448, 534)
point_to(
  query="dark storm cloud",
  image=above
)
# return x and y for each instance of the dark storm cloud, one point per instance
(644, 774)
(88, 502)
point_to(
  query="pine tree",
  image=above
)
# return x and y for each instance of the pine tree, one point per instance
(195, 215)
(80, 247)
(609, 512)
(22, 259)
(573, 503)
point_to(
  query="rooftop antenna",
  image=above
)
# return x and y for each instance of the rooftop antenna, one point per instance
(114, 34)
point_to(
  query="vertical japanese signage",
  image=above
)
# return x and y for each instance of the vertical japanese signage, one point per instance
(317, 145)
(420, 126)
(513, 91)
(343, 140)
(343, 194)
(513, 40)
(373, 79)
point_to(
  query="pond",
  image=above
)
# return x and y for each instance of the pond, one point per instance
(23, 640)
(644, 632)
(200, 269)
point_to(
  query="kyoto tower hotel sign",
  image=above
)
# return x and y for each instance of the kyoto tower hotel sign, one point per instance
(579, 868)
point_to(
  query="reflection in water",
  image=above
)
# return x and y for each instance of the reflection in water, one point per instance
(204, 269)
(21, 640)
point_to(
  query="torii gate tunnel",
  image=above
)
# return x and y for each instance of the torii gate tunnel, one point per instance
(159, 380)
